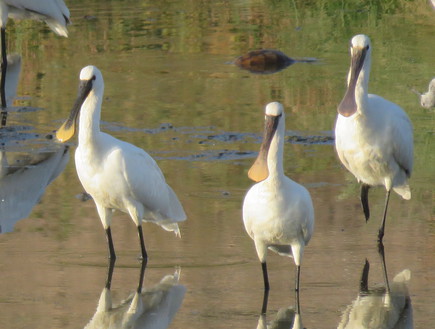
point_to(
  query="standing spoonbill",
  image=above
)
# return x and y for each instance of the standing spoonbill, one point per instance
(117, 175)
(373, 136)
(54, 12)
(278, 213)
(427, 99)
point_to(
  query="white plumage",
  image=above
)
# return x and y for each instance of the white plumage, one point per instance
(277, 212)
(427, 99)
(117, 175)
(374, 138)
(53, 12)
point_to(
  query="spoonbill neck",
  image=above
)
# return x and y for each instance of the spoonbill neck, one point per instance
(275, 154)
(361, 90)
(362, 86)
(90, 114)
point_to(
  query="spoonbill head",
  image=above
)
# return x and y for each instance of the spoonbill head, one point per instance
(374, 138)
(91, 80)
(278, 213)
(117, 175)
(358, 76)
(274, 116)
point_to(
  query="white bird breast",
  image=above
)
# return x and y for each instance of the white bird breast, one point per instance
(373, 146)
(117, 173)
(279, 217)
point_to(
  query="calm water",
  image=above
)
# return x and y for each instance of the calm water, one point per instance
(171, 89)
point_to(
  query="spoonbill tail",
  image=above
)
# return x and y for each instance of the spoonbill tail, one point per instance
(373, 136)
(117, 175)
(277, 212)
(53, 12)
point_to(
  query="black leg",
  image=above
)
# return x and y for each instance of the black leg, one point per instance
(3, 77)
(297, 276)
(110, 273)
(110, 244)
(384, 265)
(265, 276)
(364, 283)
(365, 200)
(143, 265)
(142, 244)
(382, 228)
(265, 300)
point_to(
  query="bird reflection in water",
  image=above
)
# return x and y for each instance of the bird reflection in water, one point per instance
(286, 317)
(148, 308)
(53, 12)
(267, 61)
(24, 175)
(384, 307)
(23, 180)
(11, 83)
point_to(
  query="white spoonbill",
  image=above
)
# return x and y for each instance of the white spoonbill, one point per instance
(427, 100)
(54, 12)
(373, 136)
(117, 175)
(277, 212)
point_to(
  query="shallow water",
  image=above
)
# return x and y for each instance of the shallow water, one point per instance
(171, 90)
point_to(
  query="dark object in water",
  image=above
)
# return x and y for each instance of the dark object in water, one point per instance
(264, 61)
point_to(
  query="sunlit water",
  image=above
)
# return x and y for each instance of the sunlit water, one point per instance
(170, 88)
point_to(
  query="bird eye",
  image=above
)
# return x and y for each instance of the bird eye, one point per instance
(94, 77)
(367, 47)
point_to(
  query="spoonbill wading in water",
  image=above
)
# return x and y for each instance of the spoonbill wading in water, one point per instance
(117, 175)
(54, 12)
(278, 213)
(373, 136)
